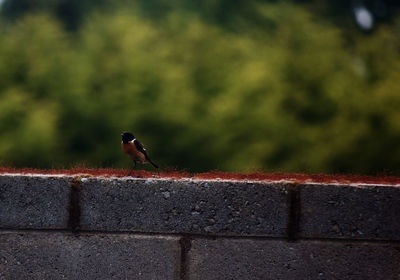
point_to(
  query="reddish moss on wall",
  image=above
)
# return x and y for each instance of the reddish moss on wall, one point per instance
(258, 176)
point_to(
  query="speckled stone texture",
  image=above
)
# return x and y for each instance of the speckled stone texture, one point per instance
(35, 202)
(247, 259)
(362, 212)
(170, 206)
(67, 256)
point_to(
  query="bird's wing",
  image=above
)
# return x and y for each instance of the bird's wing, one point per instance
(140, 147)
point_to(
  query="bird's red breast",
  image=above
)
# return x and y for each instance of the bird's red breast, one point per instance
(130, 149)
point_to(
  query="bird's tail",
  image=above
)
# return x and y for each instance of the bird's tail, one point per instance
(152, 163)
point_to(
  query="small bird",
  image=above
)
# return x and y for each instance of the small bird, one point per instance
(134, 149)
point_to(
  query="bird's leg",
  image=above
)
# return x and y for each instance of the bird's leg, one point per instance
(130, 173)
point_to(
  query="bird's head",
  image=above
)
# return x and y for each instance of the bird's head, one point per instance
(127, 136)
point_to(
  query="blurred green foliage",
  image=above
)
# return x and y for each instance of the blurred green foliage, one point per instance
(273, 87)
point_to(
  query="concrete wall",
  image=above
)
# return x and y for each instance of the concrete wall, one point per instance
(61, 227)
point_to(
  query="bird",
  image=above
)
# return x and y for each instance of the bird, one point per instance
(134, 149)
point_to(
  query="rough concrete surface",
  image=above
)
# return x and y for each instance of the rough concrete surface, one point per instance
(34, 201)
(149, 205)
(248, 259)
(67, 256)
(370, 212)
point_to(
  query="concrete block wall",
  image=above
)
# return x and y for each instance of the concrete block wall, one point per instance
(66, 227)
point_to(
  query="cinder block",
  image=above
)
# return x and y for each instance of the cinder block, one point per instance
(247, 259)
(34, 202)
(67, 256)
(172, 206)
(340, 211)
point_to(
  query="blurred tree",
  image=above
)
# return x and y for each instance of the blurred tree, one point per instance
(230, 14)
(71, 13)
(286, 92)
(33, 55)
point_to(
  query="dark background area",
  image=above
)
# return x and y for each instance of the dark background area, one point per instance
(290, 86)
